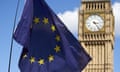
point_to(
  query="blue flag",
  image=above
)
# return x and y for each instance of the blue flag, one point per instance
(48, 46)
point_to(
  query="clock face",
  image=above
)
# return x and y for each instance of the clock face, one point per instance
(94, 23)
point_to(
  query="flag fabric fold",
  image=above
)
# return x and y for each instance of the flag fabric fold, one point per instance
(48, 46)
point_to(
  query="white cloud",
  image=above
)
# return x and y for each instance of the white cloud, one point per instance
(116, 11)
(70, 19)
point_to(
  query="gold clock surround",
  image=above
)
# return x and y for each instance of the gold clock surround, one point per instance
(94, 23)
(89, 14)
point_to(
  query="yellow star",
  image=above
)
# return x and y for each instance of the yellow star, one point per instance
(57, 49)
(51, 58)
(45, 21)
(32, 59)
(41, 61)
(53, 28)
(36, 20)
(57, 38)
(24, 56)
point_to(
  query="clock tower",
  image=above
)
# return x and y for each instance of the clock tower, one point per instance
(96, 34)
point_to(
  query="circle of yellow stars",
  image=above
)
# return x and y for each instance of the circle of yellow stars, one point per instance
(57, 48)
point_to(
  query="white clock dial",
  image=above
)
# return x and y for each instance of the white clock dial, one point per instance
(94, 23)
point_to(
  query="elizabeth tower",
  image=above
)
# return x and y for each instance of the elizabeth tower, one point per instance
(96, 34)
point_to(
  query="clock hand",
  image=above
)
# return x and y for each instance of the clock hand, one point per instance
(96, 24)
(97, 27)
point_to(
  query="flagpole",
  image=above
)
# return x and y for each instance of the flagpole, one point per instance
(11, 46)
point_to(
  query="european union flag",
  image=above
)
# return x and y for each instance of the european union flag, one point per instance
(48, 46)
